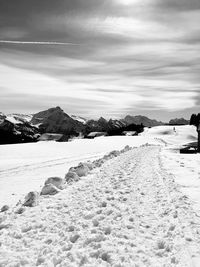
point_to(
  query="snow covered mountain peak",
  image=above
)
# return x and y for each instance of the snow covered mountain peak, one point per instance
(18, 118)
(78, 118)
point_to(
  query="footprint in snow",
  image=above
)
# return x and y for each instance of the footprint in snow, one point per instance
(103, 204)
(71, 228)
(131, 219)
(74, 238)
(88, 216)
(110, 198)
(95, 222)
(107, 230)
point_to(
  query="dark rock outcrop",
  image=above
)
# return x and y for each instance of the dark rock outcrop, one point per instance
(11, 133)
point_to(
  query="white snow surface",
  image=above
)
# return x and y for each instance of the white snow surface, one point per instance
(78, 118)
(184, 167)
(127, 213)
(13, 120)
(18, 118)
(25, 167)
(141, 208)
(172, 136)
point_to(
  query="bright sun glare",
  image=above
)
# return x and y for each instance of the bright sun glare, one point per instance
(127, 2)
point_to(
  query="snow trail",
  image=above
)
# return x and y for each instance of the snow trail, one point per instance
(128, 213)
(25, 167)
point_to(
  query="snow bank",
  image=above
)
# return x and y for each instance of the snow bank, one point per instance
(54, 185)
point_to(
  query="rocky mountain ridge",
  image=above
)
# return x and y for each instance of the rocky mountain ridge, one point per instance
(142, 120)
(17, 128)
(55, 120)
(14, 131)
(179, 121)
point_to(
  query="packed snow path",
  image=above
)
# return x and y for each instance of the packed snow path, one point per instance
(128, 213)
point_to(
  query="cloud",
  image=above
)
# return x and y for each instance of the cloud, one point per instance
(177, 6)
(32, 103)
(121, 55)
(35, 43)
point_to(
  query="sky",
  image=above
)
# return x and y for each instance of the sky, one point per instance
(101, 57)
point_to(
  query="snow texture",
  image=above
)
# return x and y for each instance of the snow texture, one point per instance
(25, 167)
(138, 207)
(129, 212)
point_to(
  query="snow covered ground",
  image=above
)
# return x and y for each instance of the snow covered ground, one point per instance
(172, 136)
(184, 167)
(127, 213)
(25, 167)
(141, 208)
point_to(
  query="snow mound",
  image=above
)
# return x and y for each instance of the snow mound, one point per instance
(71, 177)
(56, 181)
(49, 189)
(31, 200)
(81, 169)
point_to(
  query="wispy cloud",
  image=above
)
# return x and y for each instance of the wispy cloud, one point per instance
(35, 42)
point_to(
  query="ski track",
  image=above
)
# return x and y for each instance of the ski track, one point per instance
(48, 163)
(128, 213)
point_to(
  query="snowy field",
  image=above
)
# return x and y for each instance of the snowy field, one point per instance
(184, 167)
(140, 209)
(173, 136)
(186, 170)
(25, 167)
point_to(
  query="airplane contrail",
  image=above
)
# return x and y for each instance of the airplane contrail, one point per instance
(36, 42)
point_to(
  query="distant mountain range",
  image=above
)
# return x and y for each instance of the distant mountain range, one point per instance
(142, 120)
(18, 128)
(180, 121)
